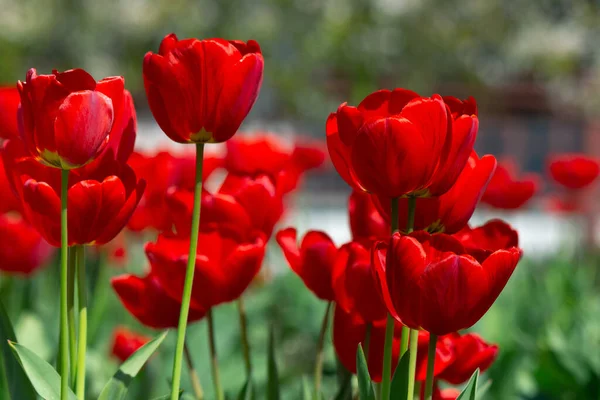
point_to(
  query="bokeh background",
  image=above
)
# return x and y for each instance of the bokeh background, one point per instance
(534, 67)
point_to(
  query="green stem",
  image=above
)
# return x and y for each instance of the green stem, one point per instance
(244, 336)
(320, 352)
(64, 280)
(214, 361)
(412, 363)
(189, 276)
(430, 365)
(389, 327)
(79, 251)
(410, 222)
(196, 385)
(71, 314)
(100, 296)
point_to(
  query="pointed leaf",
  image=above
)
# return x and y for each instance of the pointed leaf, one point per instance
(400, 379)
(272, 376)
(247, 390)
(365, 388)
(13, 381)
(116, 388)
(45, 380)
(306, 390)
(470, 391)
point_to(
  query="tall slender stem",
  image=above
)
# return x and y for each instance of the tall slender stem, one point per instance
(320, 352)
(389, 327)
(430, 366)
(412, 363)
(64, 280)
(79, 251)
(189, 276)
(71, 315)
(410, 222)
(196, 385)
(214, 361)
(244, 336)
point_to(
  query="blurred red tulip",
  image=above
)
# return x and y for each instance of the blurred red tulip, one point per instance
(574, 171)
(484, 240)
(430, 283)
(460, 107)
(68, 116)
(146, 299)
(161, 172)
(506, 192)
(22, 249)
(236, 212)
(313, 261)
(354, 285)
(265, 154)
(441, 394)
(444, 355)
(366, 223)
(9, 104)
(395, 131)
(225, 266)
(100, 201)
(200, 91)
(126, 342)
(450, 212)
(8, 201)
(471, 352)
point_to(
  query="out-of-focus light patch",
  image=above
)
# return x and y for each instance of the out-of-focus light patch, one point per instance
(396, 7)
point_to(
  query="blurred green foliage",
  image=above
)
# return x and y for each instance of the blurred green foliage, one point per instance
(319, 53)
(545, 322)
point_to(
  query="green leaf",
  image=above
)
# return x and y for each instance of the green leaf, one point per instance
(306, 389)
(365, 388)
(344, 382)
(116, 388)
(400, 379)
(45, 380)
(13, 381)
(470, 391)
(272, 376)
(247, 390)
(168, 396)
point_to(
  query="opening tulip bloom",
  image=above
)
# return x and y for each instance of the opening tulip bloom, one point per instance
(9, 104)
(313, 261)
(391, 132)
(146, 299)
(470, 352)
(429, 282)
(200, 91)
(225, 265)
(574, 171)
(482, 241)
(67, 116)
(126, 342)
(22, 249)
(507, 192)
(100, 201)
(450, 212)
(366, 223)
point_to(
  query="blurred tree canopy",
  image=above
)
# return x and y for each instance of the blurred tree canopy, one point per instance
(319, 53)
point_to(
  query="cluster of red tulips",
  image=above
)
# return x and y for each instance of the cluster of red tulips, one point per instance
(414, 275)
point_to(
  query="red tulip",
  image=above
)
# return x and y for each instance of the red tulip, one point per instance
(441, 394)
(200, 91)
(146, 299)
(355, 288)
(22, 249)
(126, 342)
(224, 265)
(460, 107)
(471, 352)
(484, 240)
(506, 192)
(450, 212)
(163, 171)
(9, 201)
(430, 282)
(264, 154)
(366, 223)
(68, 116)
(9, 104)
(236, 211)
(391, 132)
(313, 262)
(349, 331)
(100, 201)
(574, 171)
